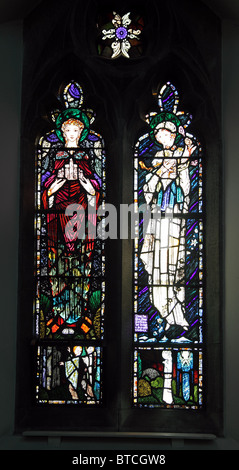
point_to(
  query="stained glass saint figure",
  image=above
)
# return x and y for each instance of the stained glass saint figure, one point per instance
(168, 260)
(71, 170)
(166, 168)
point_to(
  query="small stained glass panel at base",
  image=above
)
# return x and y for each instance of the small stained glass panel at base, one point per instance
(69, 260)
(69, 374)
(168, 377)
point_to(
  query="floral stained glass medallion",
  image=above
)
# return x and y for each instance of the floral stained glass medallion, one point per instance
(168, 260)
(70, 259)
(120, 36)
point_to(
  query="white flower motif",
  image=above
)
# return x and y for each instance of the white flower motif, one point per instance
(194, 242)
(121, 35)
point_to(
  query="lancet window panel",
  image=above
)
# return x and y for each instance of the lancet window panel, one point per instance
(69, 260)
(169, 260)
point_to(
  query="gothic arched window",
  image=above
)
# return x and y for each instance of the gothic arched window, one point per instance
(126, 332)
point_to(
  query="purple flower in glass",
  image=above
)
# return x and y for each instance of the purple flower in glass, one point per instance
(121, 32)
(121, 35)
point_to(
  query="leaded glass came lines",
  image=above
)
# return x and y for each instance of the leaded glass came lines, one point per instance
(69, 261)
(168, 260)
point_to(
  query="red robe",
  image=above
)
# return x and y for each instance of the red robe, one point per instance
(72, 192)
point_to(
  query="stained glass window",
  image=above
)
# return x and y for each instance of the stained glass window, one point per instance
(120, 36)
(168, 260)
(70, 259)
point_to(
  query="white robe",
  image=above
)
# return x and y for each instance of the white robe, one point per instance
(163, 250)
